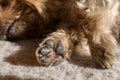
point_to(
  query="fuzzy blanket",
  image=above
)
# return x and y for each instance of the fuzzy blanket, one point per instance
(18, 62)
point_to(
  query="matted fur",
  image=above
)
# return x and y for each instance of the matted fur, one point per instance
(79, 22)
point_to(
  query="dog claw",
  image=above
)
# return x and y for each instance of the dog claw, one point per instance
(59, 49)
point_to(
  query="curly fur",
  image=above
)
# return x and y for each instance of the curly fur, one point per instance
(92, 22)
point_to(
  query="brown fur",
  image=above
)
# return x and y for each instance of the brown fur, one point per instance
(74, 22)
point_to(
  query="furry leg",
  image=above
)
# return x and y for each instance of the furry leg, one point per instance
(102, 49)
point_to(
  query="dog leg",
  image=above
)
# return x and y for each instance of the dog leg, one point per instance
(102, 48)
(54, 49)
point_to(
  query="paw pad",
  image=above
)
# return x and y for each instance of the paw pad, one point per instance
(44, 51)
(50, 54)
(59, 49)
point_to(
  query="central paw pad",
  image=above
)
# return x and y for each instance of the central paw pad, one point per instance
(50, 53)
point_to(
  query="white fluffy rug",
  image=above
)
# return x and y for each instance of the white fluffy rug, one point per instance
(18, 62)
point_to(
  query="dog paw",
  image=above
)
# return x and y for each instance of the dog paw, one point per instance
(104, 64)
(51, 53)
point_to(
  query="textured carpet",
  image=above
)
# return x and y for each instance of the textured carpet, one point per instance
(17, 62)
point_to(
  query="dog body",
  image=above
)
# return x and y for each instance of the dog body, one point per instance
(70, 24)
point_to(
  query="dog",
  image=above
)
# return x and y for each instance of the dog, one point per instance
(68, 25)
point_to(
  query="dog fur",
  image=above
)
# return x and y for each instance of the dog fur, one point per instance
(73, 22)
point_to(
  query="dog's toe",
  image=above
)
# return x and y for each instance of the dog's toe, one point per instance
(44, 51)
(50, 43)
